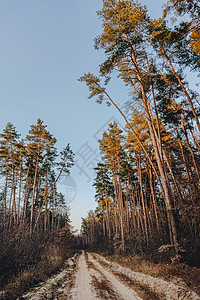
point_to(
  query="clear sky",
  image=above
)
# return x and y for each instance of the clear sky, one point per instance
(46, 45)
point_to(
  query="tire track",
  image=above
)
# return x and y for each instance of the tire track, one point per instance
(123, 291)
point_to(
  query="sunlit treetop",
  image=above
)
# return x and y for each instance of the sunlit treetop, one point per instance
(120, 18)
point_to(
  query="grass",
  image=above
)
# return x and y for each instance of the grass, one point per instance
(179, 274)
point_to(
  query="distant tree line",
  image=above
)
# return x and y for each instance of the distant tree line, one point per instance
(148, 183)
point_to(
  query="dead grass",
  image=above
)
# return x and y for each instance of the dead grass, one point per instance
(65, 292)
(179, 274)
(30, 278)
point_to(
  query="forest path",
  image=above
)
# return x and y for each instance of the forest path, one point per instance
(95, 282)
(92, 277)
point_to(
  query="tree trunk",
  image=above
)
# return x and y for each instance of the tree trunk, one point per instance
(46, 203)
(183, 88)
(153, 198)
(33, 195)
(142, 197)
(14, 212)
(19, 197)
(5, 199)
(190, 149)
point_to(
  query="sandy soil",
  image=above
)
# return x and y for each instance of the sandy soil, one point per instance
(168, 290)
(92, 277)
(83, 288)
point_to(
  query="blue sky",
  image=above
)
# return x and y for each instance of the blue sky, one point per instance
(46, 45)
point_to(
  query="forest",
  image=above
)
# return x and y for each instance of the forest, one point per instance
(148, 181)
(35, 231)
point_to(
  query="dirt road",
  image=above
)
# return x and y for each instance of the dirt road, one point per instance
(94, 282)
(91, 277)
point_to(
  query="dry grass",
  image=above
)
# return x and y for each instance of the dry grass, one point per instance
(179, 274)
(31, 277)
(64, 293)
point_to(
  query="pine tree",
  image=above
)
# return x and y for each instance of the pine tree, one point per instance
(9, 140)
(112, 150)
(40, 141)
(104, 194)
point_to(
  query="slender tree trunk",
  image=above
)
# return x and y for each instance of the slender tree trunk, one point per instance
(121, 208)
(104, 226)
(142, 198)
(19, 196)
(107, 213)
(5, 199)
(172, 175)
(33, 195)
(148, 211)
(183, 88)
(190, 149)
(133, 209)
(183, 157)
(195, 140)
(115, 218)
(154, 199)
(10, 208)
(127, 210)
(14, 212)
(25, 195)
(118, 200)
(46, 204)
